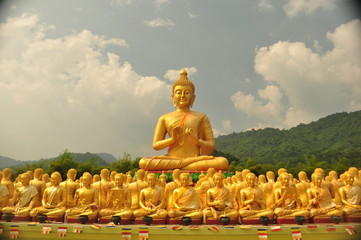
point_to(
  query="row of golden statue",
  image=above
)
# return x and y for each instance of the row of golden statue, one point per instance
(240, 197)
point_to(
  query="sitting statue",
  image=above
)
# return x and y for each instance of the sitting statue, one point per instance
(6, 181)
(118, 200)
(190, 133)
(351, 197)
(40, 186)
(186, 202)
(320, 200)
(54, 199)
(4, 195)
(170, 187)
(103, 186)
(24, 198)
(252, 203)
(151, 200)
(219, 201)
(70, 187)
(302, 187)
(86, 199)
(287, 201)
(136, 187)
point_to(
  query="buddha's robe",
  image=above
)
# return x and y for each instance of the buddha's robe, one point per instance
(254, 209)
(86, 203)
(4, 196)
(184, 154)
(152, 199)
(118, 203)
(53, 203)
(22, 203)
(353, 196)
(324, 207)
(188, 202)
(222, 195)
(289, 206)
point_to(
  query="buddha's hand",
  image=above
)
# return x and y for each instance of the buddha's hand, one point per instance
(192, 136)
(176, 133)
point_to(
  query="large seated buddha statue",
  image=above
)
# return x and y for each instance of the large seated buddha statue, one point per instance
(190, 141)
(351, 197)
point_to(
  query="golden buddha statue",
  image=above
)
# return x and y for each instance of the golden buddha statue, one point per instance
(205, 184)
(351, 197)
(46, 179)
(6, 181)
(24, 198)
(4, 195)
(252, 203)
(186, 202)
(86, 199)
(103, 187)
(219, 201)
(54, 199)
(336, 186)
(118, 201)
(136, 187)
(354, 171)
(151, 200)
(70, 186)
(267, 189)
(320, 199)
(40, 186)
(190, 133)
(325, 183)
(302, 187)
(287, 201)
(170, 187)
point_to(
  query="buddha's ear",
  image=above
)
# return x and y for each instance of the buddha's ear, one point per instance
(194, 98)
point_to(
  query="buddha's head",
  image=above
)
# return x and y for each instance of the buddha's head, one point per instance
(354, 170)
(302, 176)
(72, 174)
(285, 179)
(270, 175)
(119, 179)
(183, 92)
(87, 179)
(251, 179)
(333, 175)
(45, 178)
(38, 173)
(349, 178)
(261, 179)
(151, 179)
(96, 178)
(55, 179)
(184, 179)
(25, 179)
(104, 174)
(7, 172)
(175, 174)
(317, 179)
(218, 179)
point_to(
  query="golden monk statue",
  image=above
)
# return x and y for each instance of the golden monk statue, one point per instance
(46, 179)
(219, 201)
(4, 195)
(320, 199)
(170, 187)
(151, 200)
(103, 187)
(190, 134)
(40, 186)
(54, 199)
(302, 187)
(351, 197)
(86, 199)
(118, 200)
(186, 202)
(24, 198)
(267, 189)
(336, 186)
(136, 187)
(6, 181)
(252, 203)
(70, 187)
(287, 201)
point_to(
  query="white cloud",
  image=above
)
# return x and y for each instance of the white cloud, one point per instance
(226, 124)
(68, 92)
(192, 15)
(265, 6)
(295, 7)
(312, 84)
(160, 22)
(173, 74)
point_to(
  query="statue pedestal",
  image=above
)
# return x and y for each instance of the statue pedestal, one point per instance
(154, 222)
(218, 222)
(353, 219)
(75, 220)
(125, 221)
(321, 220)
(21, 219)
(254, 221)
(173, 221)
(290, 220)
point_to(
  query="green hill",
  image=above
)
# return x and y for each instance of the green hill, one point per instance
(331, 142)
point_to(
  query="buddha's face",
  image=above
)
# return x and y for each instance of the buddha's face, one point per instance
(151, 179)
(25, 179)
(285, 180)
(86, 180)
(184, 180)
(317, 180)
(183, 96)
(54, 179)
(118, 180)
(251, 180)
(218, 180)
(349, 179)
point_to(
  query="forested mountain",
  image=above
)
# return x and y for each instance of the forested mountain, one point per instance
(331, 142)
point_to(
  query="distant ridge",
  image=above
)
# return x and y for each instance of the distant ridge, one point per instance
(330, 139)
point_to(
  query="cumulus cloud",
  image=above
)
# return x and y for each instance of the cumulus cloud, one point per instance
(312, 84)
(295, 7)
(173, 74)
(69, 92)
(265, 6)
(160, 22)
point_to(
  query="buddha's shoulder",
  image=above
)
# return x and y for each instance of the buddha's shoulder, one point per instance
(178, 114)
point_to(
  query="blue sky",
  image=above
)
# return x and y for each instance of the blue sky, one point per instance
(94, 76)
